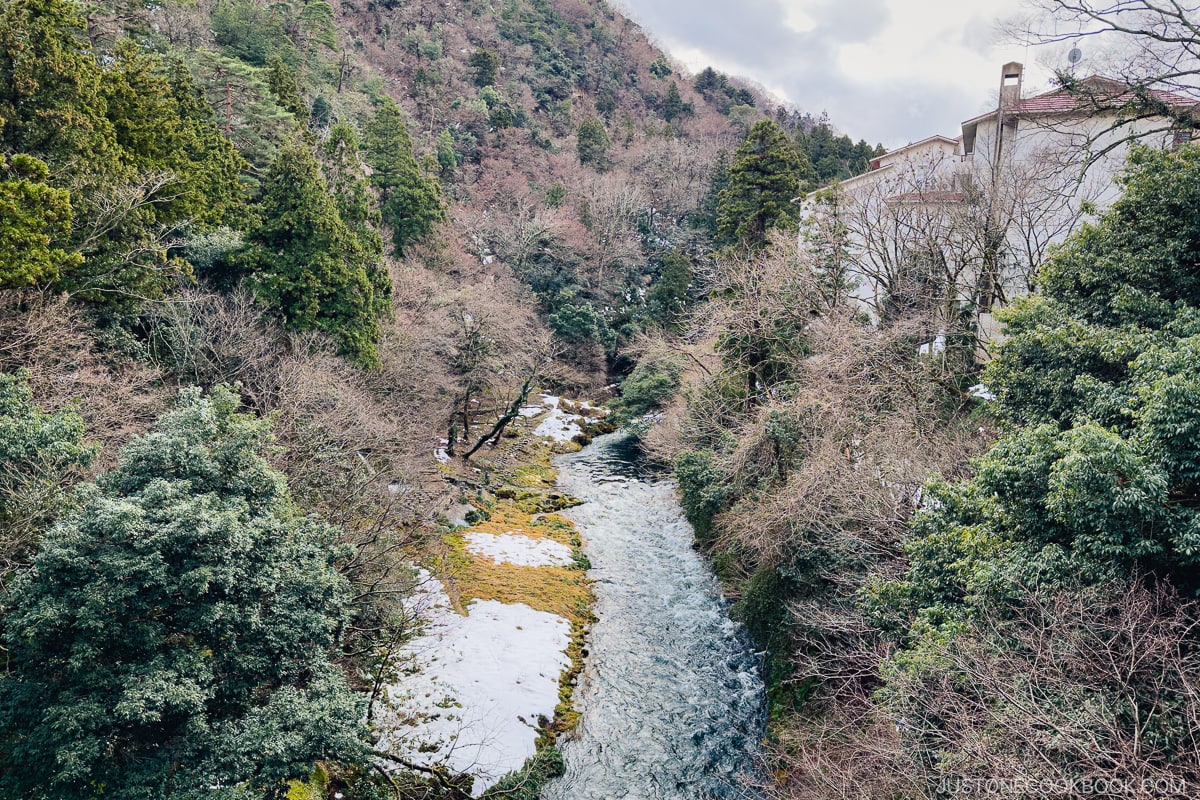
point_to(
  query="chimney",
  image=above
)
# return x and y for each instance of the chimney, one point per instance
(1010, 85)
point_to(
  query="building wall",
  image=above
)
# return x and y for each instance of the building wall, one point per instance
(988, 217)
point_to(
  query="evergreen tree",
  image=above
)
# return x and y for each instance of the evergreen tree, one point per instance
(174, 637)
(35, 219)
(164, 125)
(447, 158)
(485, 67)
(592, 143)
(411, 204)
(284, 84)
(669, 296)
(764, 180)
(50, 87)
(307, 265)
(705, 216)
(347, 181)
(245, 106)
(673, 105)
(214, 194)
(130, 140)
(709, 80)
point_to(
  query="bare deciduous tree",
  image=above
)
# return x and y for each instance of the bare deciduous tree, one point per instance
(1150, 50)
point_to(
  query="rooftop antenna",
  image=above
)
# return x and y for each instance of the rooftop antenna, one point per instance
(1074, 57)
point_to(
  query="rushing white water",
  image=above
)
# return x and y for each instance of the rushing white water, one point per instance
(671, 698)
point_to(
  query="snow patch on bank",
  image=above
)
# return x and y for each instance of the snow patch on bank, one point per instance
(472, 688)
(559, 425)
(524, 551)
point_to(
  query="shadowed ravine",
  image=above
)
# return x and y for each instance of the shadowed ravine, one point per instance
(671, 699)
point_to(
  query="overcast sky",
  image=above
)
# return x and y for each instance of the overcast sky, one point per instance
(890, 71)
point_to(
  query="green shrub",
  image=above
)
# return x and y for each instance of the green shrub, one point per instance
(703, 491)
(650, 386)
(176, 633)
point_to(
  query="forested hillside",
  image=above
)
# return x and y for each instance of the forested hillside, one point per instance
(257, 260)
(973, 573)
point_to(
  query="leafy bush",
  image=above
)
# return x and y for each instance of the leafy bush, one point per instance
(176, 632)
(650, 386)
(41, 455)
(703, 491)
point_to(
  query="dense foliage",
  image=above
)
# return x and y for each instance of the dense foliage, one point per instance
(935, 621)
(126, 137)
(41, 455)
(306, 262)
(1096, 474)
(173, 637)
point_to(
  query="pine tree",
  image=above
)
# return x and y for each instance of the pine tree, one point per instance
(307, 265)
(411, 204)
(673, 105)
(763, 183)
(592, 143)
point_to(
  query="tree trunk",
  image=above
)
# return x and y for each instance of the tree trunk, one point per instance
(513, 412)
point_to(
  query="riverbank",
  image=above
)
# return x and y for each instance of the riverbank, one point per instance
(487, 687)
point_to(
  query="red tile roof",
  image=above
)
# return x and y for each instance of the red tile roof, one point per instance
(1095, 92)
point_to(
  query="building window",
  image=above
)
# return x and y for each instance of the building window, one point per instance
(1181, 136)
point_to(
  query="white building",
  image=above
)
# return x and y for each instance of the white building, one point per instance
(960, 225)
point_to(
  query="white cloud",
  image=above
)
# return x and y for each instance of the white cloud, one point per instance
(885, 70)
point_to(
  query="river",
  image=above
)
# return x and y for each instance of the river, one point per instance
(671, 699)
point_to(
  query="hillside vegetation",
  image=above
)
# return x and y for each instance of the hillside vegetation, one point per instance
(961, 589)
(257, 260)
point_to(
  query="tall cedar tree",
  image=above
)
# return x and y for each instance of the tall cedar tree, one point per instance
(174, 636)
(348, 183)
(127, 135)
(285, 85)
(34, 218)
(410, 203)
(764, 179)
(307, 264)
